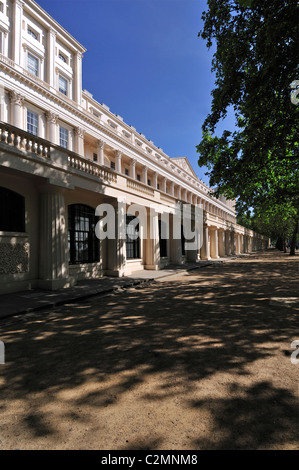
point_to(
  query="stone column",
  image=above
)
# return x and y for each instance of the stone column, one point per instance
(78, 78)
(179, 192)
(53, 240)
(118, 161)
(79, 141)
(155, 180)
(233, 243)
(152, 244)
(205, 249)
(221, 243)
(214, 243)
(175, 237)
(51, 58)
(17, 103)
(164, 185)
(172, 188)
(52, 126)
(17, 30)
(101, 152)
(116, 248)
(133, 169)
(144, 177)
(228, 247)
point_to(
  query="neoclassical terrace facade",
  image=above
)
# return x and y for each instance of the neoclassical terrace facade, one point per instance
(62, 154)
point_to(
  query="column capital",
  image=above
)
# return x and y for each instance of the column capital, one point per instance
(19, 3)
(118, 154)
(133, 162)
(51, 117)
(101, 144)
(16, 98)
(79, 132)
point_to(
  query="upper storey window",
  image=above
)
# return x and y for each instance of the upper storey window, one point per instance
(32, 64)
(62, 85)
(32, 122)
(62, 57)
(32, 33)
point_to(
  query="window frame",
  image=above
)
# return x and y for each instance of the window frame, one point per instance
(66, 82)
(31, 124)
(61, 140)
(132, 245)
(31, 55)
(76, 234)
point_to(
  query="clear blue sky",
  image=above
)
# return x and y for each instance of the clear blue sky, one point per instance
(145, 61)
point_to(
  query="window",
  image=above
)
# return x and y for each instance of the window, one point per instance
(132, 238)
(63, 137)
(61, 57)
(62, 85)
(126, 171)
(12, 211)
(162, 241)
(112, 165)
(149, 182)
(1, 7)
(138, 178)
(32, 33)
(158, 186)
(32, 123)
(32, 64)
(95, 157)
(83, 244)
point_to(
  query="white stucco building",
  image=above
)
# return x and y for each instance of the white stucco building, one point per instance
(62, 154)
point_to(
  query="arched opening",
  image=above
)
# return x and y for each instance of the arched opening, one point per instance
(12, 211)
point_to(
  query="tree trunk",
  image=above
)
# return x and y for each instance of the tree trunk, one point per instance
(279, 244)
(294, 239)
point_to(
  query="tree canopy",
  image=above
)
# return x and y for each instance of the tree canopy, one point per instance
(256, 66)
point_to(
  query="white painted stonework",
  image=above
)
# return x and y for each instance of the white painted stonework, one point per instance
(62, 154)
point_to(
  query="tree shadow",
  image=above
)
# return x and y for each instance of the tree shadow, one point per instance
(217, 321)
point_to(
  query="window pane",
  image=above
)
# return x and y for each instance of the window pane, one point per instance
(32, 64)
(32, 123)
(83, 243)
(63, 137)
(62, 85)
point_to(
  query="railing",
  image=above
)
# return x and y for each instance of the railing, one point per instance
(21, 140)
(139, 187)
(91, 168)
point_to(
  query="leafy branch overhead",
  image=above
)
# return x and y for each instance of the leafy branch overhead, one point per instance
(256, 64)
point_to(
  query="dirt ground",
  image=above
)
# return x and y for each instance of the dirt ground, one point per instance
(201, 361)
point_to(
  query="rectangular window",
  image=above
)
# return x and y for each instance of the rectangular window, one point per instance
(32, 123)
(112, 165)
(138, 178)
(32, 33)
(32, 64)
(132, 238)
(149, 182)
(126, 172)
(62, 85)
(95, 157)
(63, 137)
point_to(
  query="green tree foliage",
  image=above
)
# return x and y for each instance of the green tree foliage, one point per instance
(255, 62)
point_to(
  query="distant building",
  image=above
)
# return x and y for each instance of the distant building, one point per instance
(62, 154)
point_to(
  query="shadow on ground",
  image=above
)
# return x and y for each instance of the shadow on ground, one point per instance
(211, 325)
